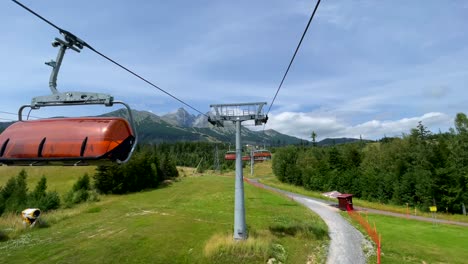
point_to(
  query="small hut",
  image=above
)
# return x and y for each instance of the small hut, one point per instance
(345, 202)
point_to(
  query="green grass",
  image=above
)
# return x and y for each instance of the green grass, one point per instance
(274, 182)
(190, 221)
(404, 240)
(59, 178)
(411, 241)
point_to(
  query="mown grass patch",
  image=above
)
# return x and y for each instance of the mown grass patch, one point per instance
(261, 170)
(274, 182)
(173, 224)
(59, 178)
(411, 241)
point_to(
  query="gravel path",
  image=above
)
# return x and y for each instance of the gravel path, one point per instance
(346, 242)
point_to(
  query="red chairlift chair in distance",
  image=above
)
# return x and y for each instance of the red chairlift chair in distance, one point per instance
(231, 155)
(261, 155)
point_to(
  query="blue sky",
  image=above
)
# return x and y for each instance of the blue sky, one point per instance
(369, 68)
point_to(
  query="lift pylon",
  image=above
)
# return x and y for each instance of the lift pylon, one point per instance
(238, 113)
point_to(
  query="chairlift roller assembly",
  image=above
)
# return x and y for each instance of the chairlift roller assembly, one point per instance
(68, 141)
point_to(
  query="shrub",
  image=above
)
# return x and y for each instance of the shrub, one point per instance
(81, 192)
(42, 199)
(14, 196)
(145, 170)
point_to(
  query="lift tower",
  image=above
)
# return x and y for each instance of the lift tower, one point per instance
(237, 113)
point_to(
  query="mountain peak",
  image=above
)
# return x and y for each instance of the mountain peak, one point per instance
(181, 111)
(180, 118)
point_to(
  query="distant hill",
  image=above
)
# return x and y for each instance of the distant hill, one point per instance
(4, 125)
(183, 126)
(337, 141)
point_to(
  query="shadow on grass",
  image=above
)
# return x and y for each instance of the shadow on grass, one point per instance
(297, 229)
(3, 236)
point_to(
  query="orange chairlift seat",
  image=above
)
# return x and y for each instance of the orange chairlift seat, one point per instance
(74, 141)
(261, 155)
(246, 157)
(68, 141)
(231, 155)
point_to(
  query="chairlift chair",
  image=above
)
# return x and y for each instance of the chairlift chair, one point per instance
(261, 155)
(68, 141)
(230, 155)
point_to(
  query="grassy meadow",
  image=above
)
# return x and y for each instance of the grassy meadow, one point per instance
(59, 178)
(190, 221)
(269, 179)
(411, 241)
(403, 240)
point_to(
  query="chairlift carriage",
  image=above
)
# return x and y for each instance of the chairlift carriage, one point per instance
(231, 155)
(261, 155)
(68, 141)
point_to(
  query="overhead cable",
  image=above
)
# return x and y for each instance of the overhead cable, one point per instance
(7, 119)
(83, 43)
(294, 56)
(10, 113)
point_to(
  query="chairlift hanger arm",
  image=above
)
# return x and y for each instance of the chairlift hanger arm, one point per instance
(119, 149)
(80, 44)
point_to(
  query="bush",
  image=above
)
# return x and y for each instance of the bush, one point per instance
(15, 193)
(145, 170)
(14, 196)
(42, 199)
(81, 192)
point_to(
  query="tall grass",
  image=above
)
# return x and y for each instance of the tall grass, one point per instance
(12, 227)
(258, 247)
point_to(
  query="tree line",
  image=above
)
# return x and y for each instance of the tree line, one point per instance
(420, 168)
(201, 155)
(146, 169)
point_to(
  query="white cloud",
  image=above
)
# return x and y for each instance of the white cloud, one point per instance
(360, 70)
(302, 124)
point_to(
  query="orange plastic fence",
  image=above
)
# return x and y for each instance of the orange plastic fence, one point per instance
(372, 232)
